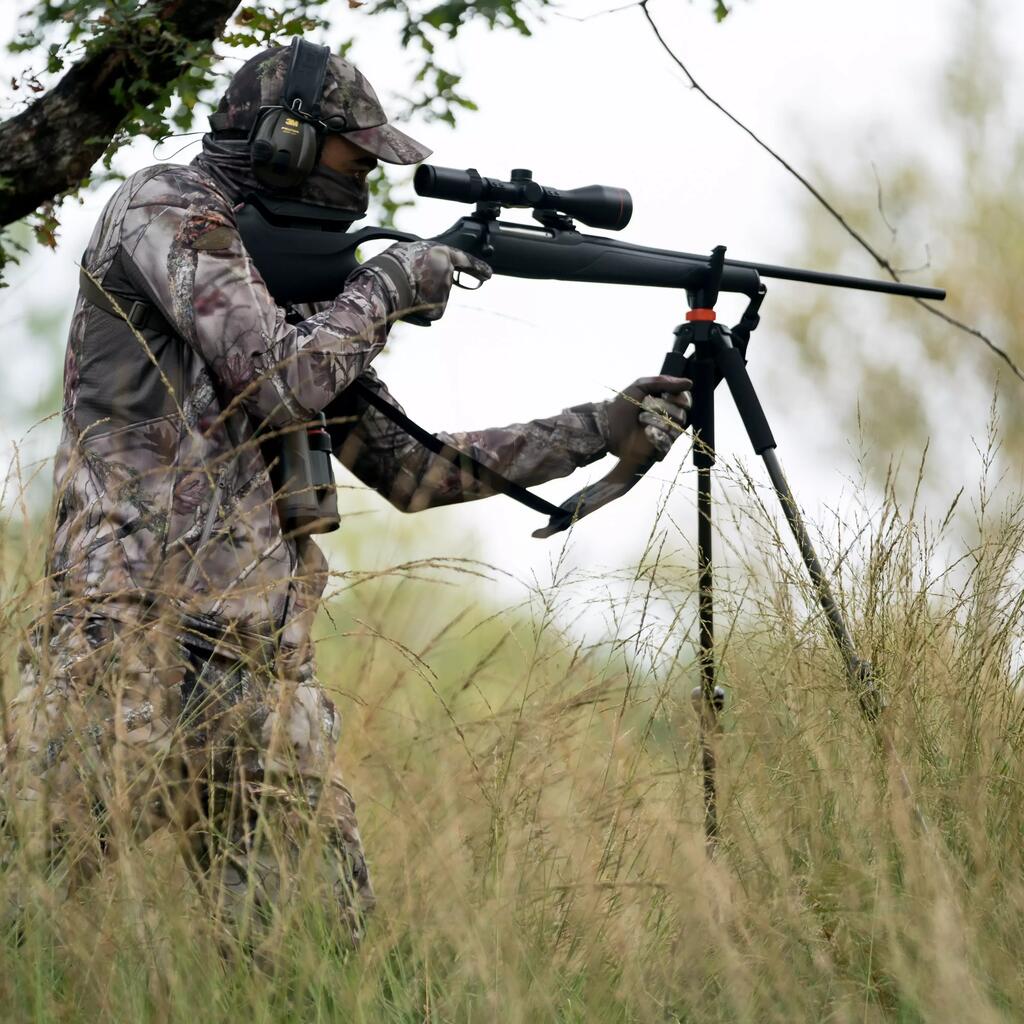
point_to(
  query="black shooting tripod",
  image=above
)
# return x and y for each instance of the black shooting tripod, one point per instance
(708, 353)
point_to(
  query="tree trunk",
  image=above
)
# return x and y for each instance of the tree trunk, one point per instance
(51, 146)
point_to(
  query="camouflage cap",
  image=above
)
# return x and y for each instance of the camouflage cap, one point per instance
(349, 106)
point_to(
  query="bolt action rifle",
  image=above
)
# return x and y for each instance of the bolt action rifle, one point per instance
(310, 263)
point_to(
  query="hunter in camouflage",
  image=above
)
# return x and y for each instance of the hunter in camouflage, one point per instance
(172, 681)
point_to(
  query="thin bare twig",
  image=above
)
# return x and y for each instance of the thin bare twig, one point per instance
(597, 14)
(847, 227)
(893, 231)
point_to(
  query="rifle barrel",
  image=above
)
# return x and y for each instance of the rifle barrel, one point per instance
(866, 284)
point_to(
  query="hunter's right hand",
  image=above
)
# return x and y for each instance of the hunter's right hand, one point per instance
(422, 274)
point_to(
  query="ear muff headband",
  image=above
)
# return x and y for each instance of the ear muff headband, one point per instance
(304, 84)
(285, 141)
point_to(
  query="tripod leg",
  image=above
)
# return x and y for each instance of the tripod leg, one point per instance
(708, 699)
(858, 671)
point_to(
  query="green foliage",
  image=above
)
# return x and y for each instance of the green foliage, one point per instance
(438, 99)
(257, 27)
(447, 18)
(16, 239)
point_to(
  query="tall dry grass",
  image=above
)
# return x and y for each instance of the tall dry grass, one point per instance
(529, 792)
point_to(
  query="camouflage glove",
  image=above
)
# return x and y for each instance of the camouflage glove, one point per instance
(644, 420)
(420, 276)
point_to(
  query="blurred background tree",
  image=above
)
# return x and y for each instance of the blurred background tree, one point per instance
(954, 218)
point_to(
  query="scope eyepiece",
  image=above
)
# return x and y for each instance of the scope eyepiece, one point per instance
(597, 206)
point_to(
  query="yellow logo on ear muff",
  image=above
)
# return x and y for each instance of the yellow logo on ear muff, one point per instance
(290, 126)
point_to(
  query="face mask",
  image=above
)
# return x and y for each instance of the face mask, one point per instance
(337, 191)
(227, 162)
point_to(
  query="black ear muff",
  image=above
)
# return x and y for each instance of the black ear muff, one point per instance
(284, 149)
(285, 141)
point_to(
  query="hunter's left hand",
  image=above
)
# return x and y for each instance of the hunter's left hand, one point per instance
(645, 418)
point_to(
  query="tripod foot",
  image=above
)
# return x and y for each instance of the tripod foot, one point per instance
(872, 700)
(717, 699)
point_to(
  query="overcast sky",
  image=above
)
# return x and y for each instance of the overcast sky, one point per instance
(597, 101)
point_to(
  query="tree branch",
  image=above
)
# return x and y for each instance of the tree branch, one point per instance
(51, 146)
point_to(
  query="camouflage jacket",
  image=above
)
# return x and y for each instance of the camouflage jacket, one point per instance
(164, 506)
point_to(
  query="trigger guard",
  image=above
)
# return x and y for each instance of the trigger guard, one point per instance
(458, 282)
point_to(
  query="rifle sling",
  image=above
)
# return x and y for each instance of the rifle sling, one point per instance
(466, 463)
(144, 315)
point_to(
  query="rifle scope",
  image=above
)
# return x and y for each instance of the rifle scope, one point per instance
(598, 206)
